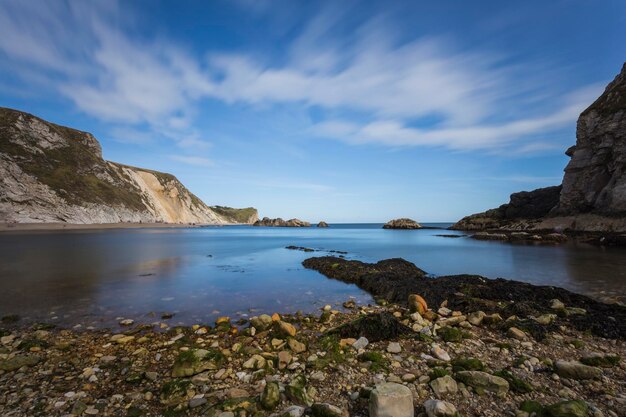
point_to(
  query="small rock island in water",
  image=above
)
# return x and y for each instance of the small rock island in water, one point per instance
(402, 224)
(278, 222)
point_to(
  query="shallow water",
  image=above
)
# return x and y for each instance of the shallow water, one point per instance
(92, 278)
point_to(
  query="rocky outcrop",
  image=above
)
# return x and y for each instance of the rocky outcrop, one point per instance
(402, 224)
(278, 222)
(322, 224)
(592, 197)
(528, 205)
(51, 173)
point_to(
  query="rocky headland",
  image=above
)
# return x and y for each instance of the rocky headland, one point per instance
(55, 174)
(403, 223)
(592, 197)
(278, 222)
(450, 346)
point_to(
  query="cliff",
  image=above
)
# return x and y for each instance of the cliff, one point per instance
(592, 197)
(51, 173)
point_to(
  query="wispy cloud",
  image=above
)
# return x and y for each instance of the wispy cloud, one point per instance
(91, 55)
(193, 160)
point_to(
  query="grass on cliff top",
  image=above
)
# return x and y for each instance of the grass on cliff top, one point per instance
(242, 215)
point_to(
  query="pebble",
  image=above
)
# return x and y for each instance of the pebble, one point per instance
(441, 354)
(394, 347)
(361, 343)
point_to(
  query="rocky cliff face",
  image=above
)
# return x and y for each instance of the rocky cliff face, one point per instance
(593, 194)
(51, 173)
(595, 178)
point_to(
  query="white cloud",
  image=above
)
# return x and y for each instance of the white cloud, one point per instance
(91, 55)
(193, 160)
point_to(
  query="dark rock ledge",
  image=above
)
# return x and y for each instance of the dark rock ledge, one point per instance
(395, 279)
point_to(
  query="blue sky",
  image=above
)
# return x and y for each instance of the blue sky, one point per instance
(337, 111)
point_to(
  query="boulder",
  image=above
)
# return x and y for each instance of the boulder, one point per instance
(436, 408)
(296, 391)
(484, 382)
(194, 361)
(322, 224)
(576, 370)
(327, 410)
(417, 304)
(444, 385)
(391, 400)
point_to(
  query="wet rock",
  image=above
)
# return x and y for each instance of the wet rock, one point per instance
(484, 382)
(375, 327)
(391, 399)
(194, 361)
(444, 386)
(436, 408)
(327, 410)
(262, 322)
(417, 304)
(270, 397)
(286, 329)
(296, 391)
(577, 370)
(18, 361)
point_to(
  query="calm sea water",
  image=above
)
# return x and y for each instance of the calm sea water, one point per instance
(93, 278)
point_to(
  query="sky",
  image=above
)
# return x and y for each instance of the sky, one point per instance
(351, 111)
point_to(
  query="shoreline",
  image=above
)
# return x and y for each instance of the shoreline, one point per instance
(22, 227)
(464, 343)
(295, 365)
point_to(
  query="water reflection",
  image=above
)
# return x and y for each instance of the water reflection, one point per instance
(94, 277)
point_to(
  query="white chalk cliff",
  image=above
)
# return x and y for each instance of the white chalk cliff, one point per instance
(50, 173)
